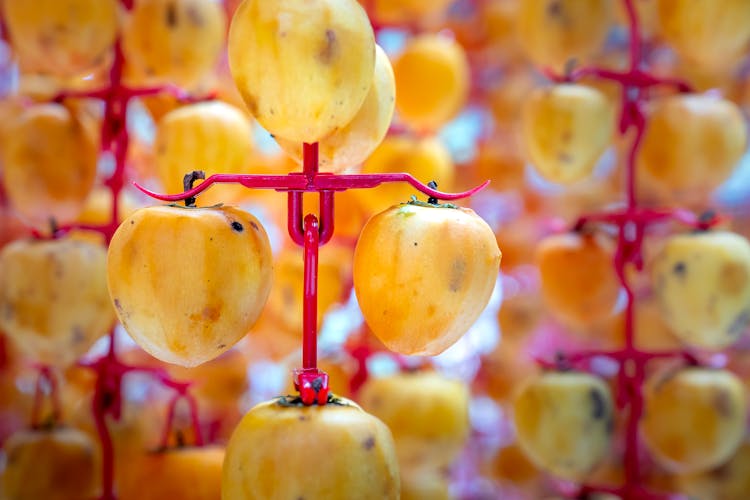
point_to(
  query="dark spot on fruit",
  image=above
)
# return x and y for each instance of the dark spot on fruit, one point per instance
(194, 16)
(171, 15)
(733, 278)
(415, 243)
(77, 334)
(237, 227)
(598, 406)
(250, 101)
(211, 313)
(369, 443)
(329, 49)
(221, 346)
(132, 222)
(723, 404)
(254, 226)
(458, 270)
(680, 269)
(117, 304)
(46, 40)
(554, 9)
(722, 472)
(303, 418)
(564, 157)
(738, 325)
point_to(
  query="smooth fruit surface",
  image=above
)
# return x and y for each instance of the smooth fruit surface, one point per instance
(423, 274)
(694, 419)
(432, 81)
(188, 283)
(174, 41)
(303, 67)
(566, 129)
(62, 37)
(555, 31)
(53, 297)
(403, 11)
(214, 137)
(350, 145)
(56, 464)
(711, 33)
(51, 178)
(427, 413)
(565, 422)
(272, 450)
(702, 285)
(692, 143)
(190, 473)
(575, 296)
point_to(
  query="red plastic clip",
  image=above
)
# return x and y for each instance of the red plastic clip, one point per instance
(312, 385)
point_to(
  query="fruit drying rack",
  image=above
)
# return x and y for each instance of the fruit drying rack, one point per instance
(109, 369)
(309, 231)
(631, 223)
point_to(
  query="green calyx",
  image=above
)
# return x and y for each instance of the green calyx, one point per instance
(296, 401)
(432, 202)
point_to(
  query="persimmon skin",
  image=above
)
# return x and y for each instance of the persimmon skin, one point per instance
(188, 283)
(167, 472)
(303, 68)
(425, 158)
(567, 128)
(432, 81)
(578, 297)
(702, 287)
(708, 33)
(269, 455)
(64, 37)
(49, 179)
(423, 274)
(172, 41)
(214, 137)
(287, 296)
(691, 144)
(694, 419)
(57, 464)
(555, 31)
(351, 144)
(427, 413)
(565, 422)
(53, 296)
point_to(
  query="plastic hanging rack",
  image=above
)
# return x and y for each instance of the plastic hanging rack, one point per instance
(310, 232)
(631, 223)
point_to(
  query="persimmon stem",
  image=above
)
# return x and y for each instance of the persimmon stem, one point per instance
(432, 200)
(187, 183)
